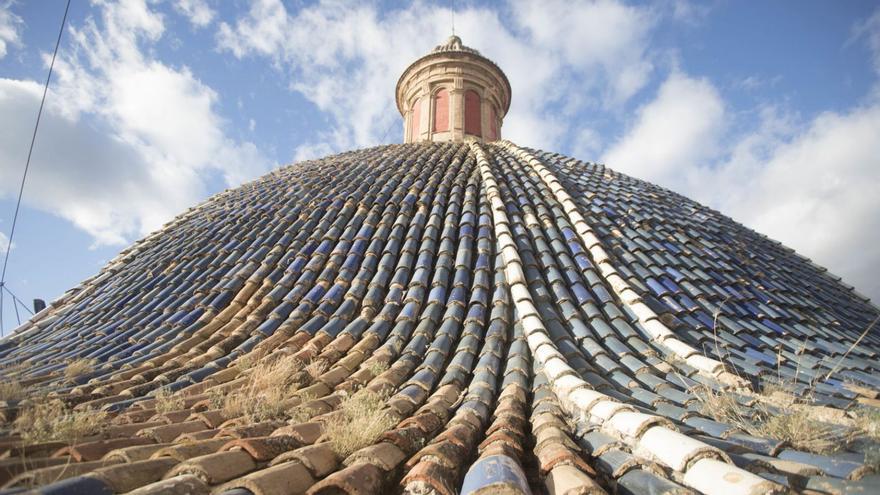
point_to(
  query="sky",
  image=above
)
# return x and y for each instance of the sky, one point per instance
(766, 111)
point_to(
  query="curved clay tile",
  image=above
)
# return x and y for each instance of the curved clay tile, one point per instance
(524, 322)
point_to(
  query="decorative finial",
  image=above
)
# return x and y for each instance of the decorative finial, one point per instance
(453, 17)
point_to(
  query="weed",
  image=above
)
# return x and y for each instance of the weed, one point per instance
(362, 421)
(167, 402)
(54, 421)
(79, 368)
(376, 368)
(263, 395)
(777, 415)
(245, 362)
(867, 420)
(12, 390)
(316, 368)
(217, 397)
(301, 414)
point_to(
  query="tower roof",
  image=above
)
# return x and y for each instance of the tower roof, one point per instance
(453, 94)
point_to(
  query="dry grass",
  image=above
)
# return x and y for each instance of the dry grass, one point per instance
(362, 421)
(167, 402)
(316, 369)
(798, 428)
(12, 390)
(778, 414)
(301, 414)
(245, 362)
(78, 368)
(796, 424)
(376, 368)
(216, 397)
(867, 420)
(267, 387)
(54, 421)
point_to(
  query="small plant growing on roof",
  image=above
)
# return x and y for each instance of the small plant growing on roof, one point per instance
(778, 415)
(53, 420)
(265, 391)
(361, 421)
(376, 367)
(167, 401)
(245, 362)
(300, 413)
(12, 390)
(316, 368)
(79, 367)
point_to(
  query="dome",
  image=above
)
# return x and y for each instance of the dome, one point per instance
(443, 317)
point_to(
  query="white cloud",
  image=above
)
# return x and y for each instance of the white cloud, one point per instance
(197, 11)
(4, 243)
(126, 141)
(810, 184)
(604, 35)
(690, 12)
(346, 59)
(9, 27)
(815, 190)
(869, 29)
(753, 82)
(676, 132)
(82, 173)
(311, 151)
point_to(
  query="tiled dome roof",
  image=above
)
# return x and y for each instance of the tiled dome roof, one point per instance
(527, 322)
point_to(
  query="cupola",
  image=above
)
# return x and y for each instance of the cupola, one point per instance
(453, 94)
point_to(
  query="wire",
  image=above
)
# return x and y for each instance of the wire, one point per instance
(16, 299)
(15, 307)
(28, 162)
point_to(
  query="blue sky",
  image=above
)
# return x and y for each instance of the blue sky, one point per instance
(767, 111)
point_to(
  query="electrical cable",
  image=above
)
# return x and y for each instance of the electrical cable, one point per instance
(28, 164)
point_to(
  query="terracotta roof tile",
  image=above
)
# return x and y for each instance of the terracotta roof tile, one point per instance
(531, 322)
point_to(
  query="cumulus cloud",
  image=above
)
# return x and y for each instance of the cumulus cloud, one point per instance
(814, 190)
(603, 42)
(199, 13)
(126, 141)
(345, 58)
(676, 132)
(10, 24)
(810, 184)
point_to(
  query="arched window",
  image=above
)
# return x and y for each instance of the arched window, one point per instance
(473, 118)
(441, 111)
(415, 118)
